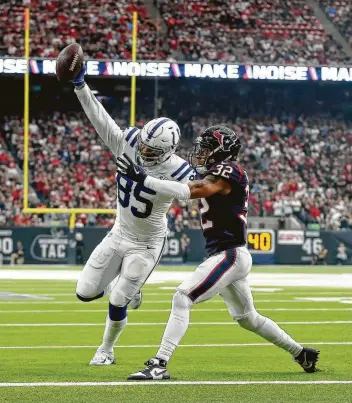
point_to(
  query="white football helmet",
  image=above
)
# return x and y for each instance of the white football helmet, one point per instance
(157, 141)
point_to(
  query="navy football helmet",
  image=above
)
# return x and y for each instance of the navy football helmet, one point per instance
(216, 144)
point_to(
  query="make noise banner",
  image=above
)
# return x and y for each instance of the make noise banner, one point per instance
(186, 70)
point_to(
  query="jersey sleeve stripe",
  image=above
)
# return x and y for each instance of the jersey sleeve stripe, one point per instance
(130, 134)
(182, 167)
(134, 141)
(241, 172)
(190, 169)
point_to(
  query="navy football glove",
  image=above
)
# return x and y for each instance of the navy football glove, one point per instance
(78, 81)
(126, 167)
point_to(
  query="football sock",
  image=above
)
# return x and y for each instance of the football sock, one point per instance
(270, 331)
(116, 321)
(113, 330)
(176, 326)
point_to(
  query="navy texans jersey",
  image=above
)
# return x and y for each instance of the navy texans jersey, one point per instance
(224, 217)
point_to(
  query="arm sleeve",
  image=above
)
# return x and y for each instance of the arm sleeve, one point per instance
(170, 189)
(105, 126)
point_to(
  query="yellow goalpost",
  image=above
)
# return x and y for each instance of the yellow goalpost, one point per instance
(71, 211)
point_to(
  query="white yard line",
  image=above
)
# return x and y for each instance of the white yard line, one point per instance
(72, 294)
(318, 343)
(40, 289)
(338, 322)
(169, 383)
(133, 311)
(256, 279)
(167, 301)
(308, 294)
(299, 295)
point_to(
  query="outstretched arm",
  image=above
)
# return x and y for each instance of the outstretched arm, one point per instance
(198, 189)
(105, 126)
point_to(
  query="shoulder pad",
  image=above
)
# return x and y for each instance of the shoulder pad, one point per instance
(180, 170)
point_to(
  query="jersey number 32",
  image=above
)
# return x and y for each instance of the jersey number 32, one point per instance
(125, 185)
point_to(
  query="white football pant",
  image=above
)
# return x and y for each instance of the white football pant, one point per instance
(225, 273)
(132, 260)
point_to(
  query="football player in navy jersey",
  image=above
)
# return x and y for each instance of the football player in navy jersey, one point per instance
(223, 192)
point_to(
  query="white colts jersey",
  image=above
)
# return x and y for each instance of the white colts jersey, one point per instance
(141, 213)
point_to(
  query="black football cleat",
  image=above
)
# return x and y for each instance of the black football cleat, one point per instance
(307, 359)
(155, 371)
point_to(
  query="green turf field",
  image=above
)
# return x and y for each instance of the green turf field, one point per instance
(52, 341)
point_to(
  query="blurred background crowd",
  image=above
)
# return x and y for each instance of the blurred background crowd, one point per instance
(270, 31)
(297, 165)
(297, 155)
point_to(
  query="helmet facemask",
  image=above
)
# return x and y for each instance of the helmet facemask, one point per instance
(157, 141)
(149, 156)
(202, 156)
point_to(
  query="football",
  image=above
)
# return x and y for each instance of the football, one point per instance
(69, 62)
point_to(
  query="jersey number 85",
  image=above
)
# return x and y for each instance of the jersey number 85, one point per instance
(125, 185)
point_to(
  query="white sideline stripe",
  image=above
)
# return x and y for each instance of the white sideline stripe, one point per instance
(168, 310)
(338, 322)
(318, 343)
(168, 383)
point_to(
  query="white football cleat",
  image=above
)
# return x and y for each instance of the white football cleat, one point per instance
(101, 358)
(155, 371)
(136, 301)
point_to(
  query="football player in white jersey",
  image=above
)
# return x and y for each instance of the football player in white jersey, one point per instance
(125, 258)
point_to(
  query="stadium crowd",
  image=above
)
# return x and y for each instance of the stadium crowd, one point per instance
(104, 29)
(276, 31)
(300, 167)
(340, 13)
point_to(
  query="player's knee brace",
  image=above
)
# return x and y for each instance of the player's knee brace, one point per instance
(252, 322)
(87, 292)
(181, 300)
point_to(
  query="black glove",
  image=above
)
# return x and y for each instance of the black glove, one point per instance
(126, 167)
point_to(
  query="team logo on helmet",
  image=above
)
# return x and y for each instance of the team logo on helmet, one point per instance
(155, 128)
(219, 136)
(216, 144)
